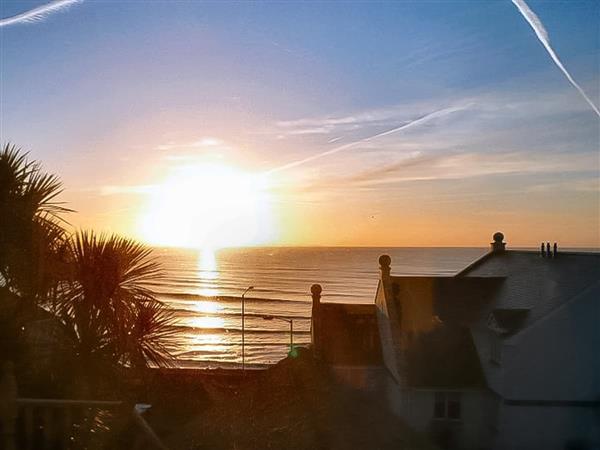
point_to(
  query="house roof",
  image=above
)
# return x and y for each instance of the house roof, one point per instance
(533, 283)
(443, 357)
(444, 319)
(452, 299)
(432, 315)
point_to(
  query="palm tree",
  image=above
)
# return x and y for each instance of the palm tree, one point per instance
(32, 236)
(107, 307)
(97, 286)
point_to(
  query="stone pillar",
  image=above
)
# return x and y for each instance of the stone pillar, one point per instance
(384, 265)
(498, 245)
(315, 324)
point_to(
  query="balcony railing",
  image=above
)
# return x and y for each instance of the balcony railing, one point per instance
(53, 424)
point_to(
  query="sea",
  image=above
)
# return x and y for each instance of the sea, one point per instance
(204, 289)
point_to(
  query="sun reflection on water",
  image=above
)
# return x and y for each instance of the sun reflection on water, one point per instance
(213, 343)
(208, 273)
(207, 322)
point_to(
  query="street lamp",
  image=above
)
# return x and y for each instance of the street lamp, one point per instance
(292, 352)
(249, 288)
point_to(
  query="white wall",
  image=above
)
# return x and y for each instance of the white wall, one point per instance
(557, 358)
(548, 428)
(478, 413)
(386, 332)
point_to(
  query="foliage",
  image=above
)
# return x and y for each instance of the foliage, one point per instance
(96, 286)
(32, 238)
(106, 306)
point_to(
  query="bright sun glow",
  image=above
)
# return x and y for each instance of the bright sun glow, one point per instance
(208, 206)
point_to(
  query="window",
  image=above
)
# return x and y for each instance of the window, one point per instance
(447, 405)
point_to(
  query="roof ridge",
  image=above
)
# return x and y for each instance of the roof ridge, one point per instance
(474, 264)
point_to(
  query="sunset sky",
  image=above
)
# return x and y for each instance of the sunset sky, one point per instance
(212, 124)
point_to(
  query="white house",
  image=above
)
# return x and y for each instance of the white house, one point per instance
(503, 355)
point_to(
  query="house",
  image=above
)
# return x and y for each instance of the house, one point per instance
(355, 358)
(503, 355)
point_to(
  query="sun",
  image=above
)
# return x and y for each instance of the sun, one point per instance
(208, 206)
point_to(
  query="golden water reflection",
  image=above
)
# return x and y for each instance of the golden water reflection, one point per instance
(208, 273)
(207, 322)
(208, 343)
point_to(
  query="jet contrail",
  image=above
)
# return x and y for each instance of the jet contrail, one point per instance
(423, 119)
(39, 13)
(542, 35)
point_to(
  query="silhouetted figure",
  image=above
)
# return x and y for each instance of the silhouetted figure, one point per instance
(543, 249)
(555, 250)
(548, 250)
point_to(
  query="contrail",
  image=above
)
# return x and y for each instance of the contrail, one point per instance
(38, 14)
(542, 35)
(413, 123)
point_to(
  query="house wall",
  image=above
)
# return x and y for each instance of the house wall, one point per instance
(552, 371)
(474, 430)
(548, 428)
(363, 378)
(557, 358)
(386, 332)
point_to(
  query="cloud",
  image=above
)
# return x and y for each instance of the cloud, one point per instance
(410, 124)
(129, 189)
(348, 122)
(38, 14)
(203, 142)
(542, 35)
(459, 165)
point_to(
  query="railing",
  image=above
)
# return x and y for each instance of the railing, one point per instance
(52, 424)
(64, 424)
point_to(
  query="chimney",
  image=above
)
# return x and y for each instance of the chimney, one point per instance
(498, 245)
(555, 250)
(543, 250)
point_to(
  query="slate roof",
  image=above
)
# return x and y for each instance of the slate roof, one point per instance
(453, 299)
(435, 348)
(535, 283)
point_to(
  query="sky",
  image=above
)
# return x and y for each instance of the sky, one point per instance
(431, 123)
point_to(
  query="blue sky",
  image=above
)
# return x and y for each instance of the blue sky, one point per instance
(113, 95)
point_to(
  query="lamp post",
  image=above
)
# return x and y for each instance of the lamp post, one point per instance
(249, 288)
(291, 322)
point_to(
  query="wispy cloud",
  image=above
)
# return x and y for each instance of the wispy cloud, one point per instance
(203, 142)
(38, 14)
(127, 189)
(413, 123)
(459, 165)
(542, 35)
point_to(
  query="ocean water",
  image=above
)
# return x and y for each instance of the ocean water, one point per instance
(204, 289)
